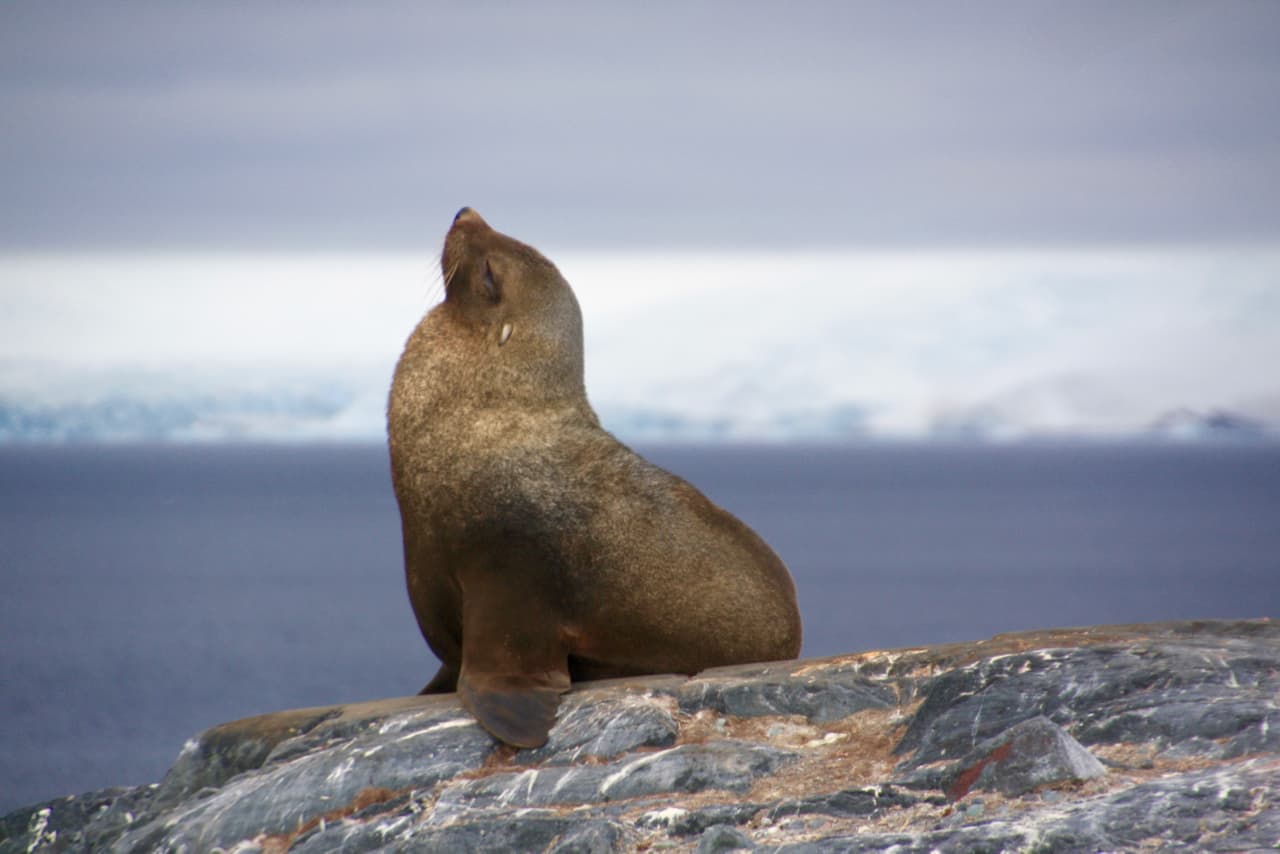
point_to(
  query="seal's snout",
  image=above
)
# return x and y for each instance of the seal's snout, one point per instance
(467, 216)
(467, 227)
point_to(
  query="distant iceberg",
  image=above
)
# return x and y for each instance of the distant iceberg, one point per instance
(1190, 425)
(147, 407)
(337, 409)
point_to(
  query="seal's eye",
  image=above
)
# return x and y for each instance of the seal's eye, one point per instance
(490, 283)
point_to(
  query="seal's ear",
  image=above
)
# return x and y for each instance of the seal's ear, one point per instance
(489, 281)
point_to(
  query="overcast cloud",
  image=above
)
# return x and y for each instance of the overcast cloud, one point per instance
(348, 126)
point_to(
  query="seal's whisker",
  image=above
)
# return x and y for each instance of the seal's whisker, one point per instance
(435, 285)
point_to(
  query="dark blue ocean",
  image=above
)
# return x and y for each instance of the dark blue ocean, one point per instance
(147, 593)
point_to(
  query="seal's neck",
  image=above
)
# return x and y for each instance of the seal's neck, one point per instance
(452, 365)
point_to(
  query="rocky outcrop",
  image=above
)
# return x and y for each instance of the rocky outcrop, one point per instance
(1163, 735)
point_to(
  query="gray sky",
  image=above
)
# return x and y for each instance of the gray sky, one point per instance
(365, 125)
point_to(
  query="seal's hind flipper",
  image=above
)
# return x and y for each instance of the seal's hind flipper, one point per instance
(517, 709)
(444, 682)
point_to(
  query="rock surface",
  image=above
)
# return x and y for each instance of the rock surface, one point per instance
(1163, 736)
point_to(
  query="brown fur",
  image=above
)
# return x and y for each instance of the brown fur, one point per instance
(537, 547)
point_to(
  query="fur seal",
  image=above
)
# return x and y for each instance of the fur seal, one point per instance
(538, 549)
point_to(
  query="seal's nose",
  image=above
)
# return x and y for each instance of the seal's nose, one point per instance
(466, 215)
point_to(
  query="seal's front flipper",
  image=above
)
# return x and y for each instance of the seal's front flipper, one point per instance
(515, 663)
(517, 709)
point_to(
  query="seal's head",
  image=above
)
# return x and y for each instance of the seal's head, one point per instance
(513, 299)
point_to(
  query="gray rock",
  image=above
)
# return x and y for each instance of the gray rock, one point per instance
(370, 830)
(77, 823)
(690, 822)
(1264, 737)
(397, 830)
(1151, 690)
(1025, 757)
(592, 837)
(724, 838)
(553, 835)
(729, 765)
(623, 770)
(604, 729)
(220, 753)
(848, 803)
(1210, 810)
(754, 691)
(986, 840)
(401, 754)
(1194, 746)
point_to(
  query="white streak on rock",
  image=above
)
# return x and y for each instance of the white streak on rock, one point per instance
(335, 776)
(525, 778)
(453, 724)
(666, 817)
(623, 772)
(39, 824)
(398, 723)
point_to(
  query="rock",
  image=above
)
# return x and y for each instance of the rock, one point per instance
(363, 758)
(603, 729)
(729, 765)
(724, 838)
(539, 833)
(80, 822)
(1212, 809)
(222, 752)
(1179, 682)
(755, 690)
(683, 822)
(850, 803)
(1026, 756)
(851, 752)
